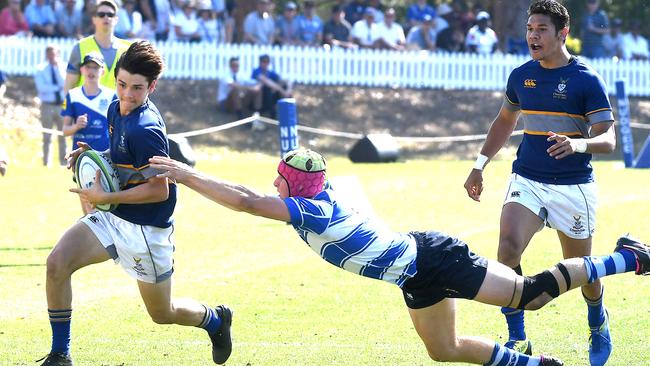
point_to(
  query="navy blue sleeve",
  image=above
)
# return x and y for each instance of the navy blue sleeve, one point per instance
(596, 103)
(145, 143)
(511, 94)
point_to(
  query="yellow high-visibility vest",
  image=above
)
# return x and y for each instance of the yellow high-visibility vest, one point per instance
(88, 44)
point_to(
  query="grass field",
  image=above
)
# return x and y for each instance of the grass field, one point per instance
(291, 307)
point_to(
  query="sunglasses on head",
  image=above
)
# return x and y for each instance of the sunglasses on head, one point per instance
(102, 14)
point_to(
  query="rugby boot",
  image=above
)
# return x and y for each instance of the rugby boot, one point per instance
(520, 345)
(221, 340)
(56, 359)
(640, 250)
(600, 343)
(550, 361)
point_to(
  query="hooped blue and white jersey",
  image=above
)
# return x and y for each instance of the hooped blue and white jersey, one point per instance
(350, 240)
(567, 100)
(77, 103)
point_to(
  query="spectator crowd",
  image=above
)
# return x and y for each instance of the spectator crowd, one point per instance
(451, 26)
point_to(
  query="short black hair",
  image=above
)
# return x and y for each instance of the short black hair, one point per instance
(265, 58)
(556, 11)
(233, 59)
(141, 58)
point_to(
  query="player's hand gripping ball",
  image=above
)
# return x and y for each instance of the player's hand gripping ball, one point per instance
(86, 168)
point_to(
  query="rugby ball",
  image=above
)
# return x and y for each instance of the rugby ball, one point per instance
(86, 167)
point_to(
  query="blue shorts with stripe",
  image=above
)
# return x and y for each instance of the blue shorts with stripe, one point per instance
(445, 268)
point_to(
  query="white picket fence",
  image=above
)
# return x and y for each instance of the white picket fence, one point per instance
(318, 66)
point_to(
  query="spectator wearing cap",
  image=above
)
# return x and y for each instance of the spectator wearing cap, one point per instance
(336, 32)
(391, 34)
(480, 38)
(444, 11)
(85, 109)
(12, 20)
(310, 26)
(635, 46)
(49, 84)
(288, 26)
(423, 36)
(353, 12)
(237, 92)
(613, 41)
(259, 26)
(378, 9)
(40, 18)
(129, 21)
(68, 20)
(273, 87)
(416, 12)
(365, 32)
(186, 25)
(595, 25)
(103, 41)
(211, 28)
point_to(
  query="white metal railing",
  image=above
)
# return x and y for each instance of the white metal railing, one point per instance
(318, 66)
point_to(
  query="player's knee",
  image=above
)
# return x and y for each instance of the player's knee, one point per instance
(161, 316)
(56, 268)
(443, 353)
(538, 302)
(509, 252)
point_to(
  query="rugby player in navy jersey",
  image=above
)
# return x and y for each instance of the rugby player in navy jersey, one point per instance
(138, 233)
(431, 268)
(567, 117)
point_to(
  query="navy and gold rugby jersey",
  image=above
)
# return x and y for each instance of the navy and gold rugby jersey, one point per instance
(567, 100)
(134, 139)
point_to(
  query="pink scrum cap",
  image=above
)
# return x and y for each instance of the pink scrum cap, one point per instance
(304, 172)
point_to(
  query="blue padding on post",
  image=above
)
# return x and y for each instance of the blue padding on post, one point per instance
(624, 121)
(643, 159)
(288, 117)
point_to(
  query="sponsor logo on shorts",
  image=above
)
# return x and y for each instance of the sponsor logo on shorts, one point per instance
(409, 296)
(578, 227)
(139, 268)
(93, 219)
(515, 194)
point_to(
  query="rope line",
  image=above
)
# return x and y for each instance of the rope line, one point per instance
(319, 131)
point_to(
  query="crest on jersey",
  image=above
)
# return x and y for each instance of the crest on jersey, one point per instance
(561, 89)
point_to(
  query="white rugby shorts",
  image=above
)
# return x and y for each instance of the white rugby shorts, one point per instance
(569, 208)
(144, 252)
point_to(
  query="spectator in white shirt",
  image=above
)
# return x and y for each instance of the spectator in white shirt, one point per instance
(365, 32)
(635, 46)
(186, 26)
(49, 83)
(129, 21)
(391, 34)
(211, 28)
(238, 92)
(481, 38)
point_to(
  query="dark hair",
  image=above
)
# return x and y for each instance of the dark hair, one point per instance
(556, 11)
(233, 59)
(265, 58)
(143, 59)
(337, 9)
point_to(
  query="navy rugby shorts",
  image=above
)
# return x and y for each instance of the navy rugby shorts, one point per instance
(445, 268)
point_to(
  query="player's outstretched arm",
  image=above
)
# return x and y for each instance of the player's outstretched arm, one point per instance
(232, 195)
(497, 135)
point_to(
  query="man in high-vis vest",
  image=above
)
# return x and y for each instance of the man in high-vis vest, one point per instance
(103, 41)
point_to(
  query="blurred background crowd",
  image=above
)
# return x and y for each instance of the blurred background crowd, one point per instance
(607, 29)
